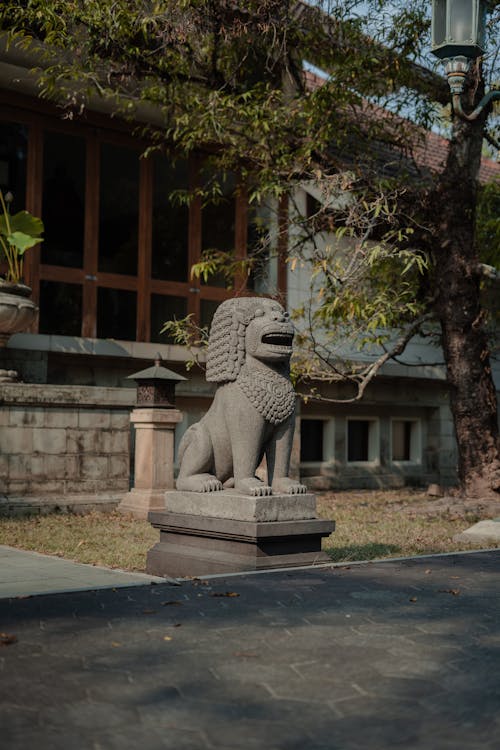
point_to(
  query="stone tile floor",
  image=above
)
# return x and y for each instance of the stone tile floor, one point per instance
(25, 573)
(397, 654)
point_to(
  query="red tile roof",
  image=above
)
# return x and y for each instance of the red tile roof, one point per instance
(429, 152)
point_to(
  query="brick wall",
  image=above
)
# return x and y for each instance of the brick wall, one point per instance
(63, 447)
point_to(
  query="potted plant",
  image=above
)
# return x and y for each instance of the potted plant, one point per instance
(17, 234)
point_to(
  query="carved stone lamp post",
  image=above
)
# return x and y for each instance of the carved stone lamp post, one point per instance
(155, 419)
(458, 37)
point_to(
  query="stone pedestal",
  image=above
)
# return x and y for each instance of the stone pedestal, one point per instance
(224, 532)
(154, 460)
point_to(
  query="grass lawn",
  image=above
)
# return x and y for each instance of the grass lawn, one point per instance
(396, 523)
(370, 525)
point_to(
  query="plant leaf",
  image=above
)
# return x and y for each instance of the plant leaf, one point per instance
(22, 242)
(24, 222)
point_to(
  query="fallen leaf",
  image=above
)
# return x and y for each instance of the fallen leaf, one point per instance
(177, 624)
(7, 639)
(171, 604)
(167, 637)
(455, 592)
(428, 571)
(116, 644)
(223, 593)
(413, 599)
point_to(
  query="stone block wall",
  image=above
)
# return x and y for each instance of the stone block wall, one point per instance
(64, 447)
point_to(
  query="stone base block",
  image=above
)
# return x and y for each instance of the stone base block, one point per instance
(487, 532)
(194, 545)
(232, 505)
(140, 502)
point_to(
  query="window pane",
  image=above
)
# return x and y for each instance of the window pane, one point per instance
(207, 310)
(358, 433)
(60, 308)
(116, 314)
(218, 225)
(401, 440)
(258, 247)
(63, 209)
(119, 210)
(13, 152)
(170, 222)
(311, 440)
(163, 309)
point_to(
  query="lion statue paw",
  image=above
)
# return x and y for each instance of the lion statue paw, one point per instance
(253, 486)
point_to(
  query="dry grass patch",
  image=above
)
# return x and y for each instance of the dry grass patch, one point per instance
(369, 525)
(396, 523)
(110, 539)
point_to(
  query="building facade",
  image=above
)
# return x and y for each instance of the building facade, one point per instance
(113, 268)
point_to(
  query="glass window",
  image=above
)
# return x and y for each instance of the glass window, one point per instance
(63, 207)
(60, 308)
(13, 153)
(170, 222)
(361, 440)
(207, 311)
(258, 248)
(116, 314)
(311, 439)
(405, 440)
(218, 224)
(163, 309)
(119, 209)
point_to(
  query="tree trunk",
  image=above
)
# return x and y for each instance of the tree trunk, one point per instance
(464, 339)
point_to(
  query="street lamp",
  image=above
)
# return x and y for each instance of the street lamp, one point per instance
(458, 35)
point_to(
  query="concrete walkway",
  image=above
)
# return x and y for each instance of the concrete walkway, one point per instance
(397, 654)
(29, 573)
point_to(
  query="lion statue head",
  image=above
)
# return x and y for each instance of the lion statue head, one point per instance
(227, 341)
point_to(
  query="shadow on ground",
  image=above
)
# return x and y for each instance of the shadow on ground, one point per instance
(363, 657)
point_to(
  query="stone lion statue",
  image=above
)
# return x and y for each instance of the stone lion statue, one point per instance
(253, 412)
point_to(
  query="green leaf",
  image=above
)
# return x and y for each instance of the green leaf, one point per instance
(23, 222)
(22, 242)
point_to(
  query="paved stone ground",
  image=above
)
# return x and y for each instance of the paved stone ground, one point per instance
(399, 654)
(25, 573)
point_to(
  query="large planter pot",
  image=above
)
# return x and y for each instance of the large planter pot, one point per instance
(17, 311)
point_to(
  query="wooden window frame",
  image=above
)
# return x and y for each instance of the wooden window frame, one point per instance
(40, 117)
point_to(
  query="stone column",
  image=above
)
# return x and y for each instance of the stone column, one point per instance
(154, 460)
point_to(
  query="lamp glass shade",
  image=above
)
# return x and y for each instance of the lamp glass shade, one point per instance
(461, 20)
(458, 28)
(438, 22)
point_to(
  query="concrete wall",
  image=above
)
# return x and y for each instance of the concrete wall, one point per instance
(64, 447)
